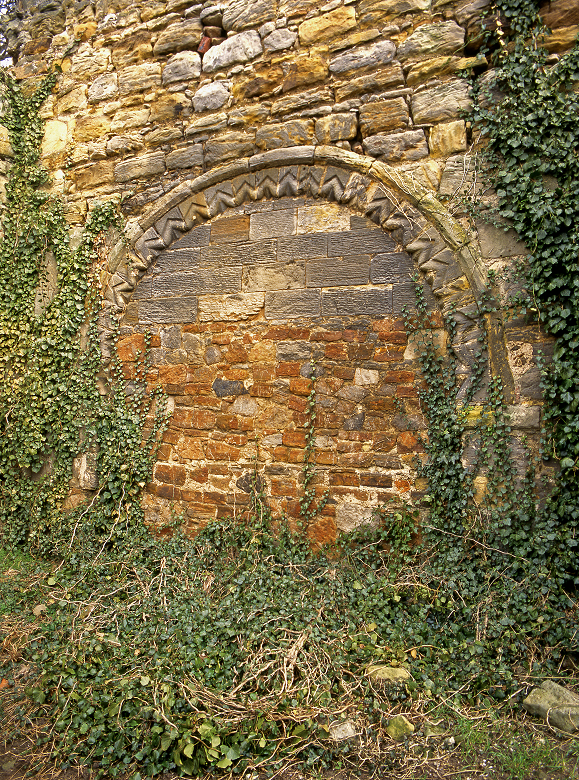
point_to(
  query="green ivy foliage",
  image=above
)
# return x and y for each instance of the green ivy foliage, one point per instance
(50, 407)
(529, 122)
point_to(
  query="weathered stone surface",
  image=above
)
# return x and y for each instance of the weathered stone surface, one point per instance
(390, 268)
(270, 224)
(54, 141)
(201, 280)
(140, 167)
(179, 37)
(459, 177)
(229, 146)
(337, 271)
(230, 307)
(448, 138)
(240, 15)
(387, 673)
(322, 217)
(350, 516)
(292, 304)
(302, 247)
(273, 276)
(225, 387)
(104, 87)
(499, 242)
(92, 126)
(397, 147)
(212, 96)
(348, 301)
(185, 158)
(169, 310)
(378, 54)
(300, 101)
(138, 78)
(373, 11)
(341, 730)
(562, 38)
(87, 62)
(525, 417)
(174, 105)
(75, 100)
(94, 175)
(560, 13)
(441, 104)
(399, 727)
(355, 241)
(428, 39)
(184, 66)
(245, 406)
(239, 48)
(336, 127)
(128, 118)
(388, 78)
(294, 132)
(559, 706)
(322, 28)
(132, 49)
(421, 72)
(204, 124)
(303, 71)
(383, 115)
(279, 40)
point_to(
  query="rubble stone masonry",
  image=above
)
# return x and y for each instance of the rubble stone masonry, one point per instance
(285, 167)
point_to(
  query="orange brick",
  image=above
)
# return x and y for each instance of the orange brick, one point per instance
(282, 486)
(192, 495)
(336, 351)
(300, 386)
(326, 335)
(297, 403)
(394, 377)
(376, 480)
(404, 391)
(236, 353)
(164, 472)
(285, 332)
(402, 485)
(171, 436)
(128, 347)
(388, 354)
(191, 449)
(356, 459)
(350, 478)
(217, 450)
(199, 475)
(202, 419)
(231, 422)
(324, 458)
(294, 438)
(174, 374)
(408, 442)
(396, 337)
(236, 373)
(295, 456)
(263, 373)
(261, 391)
(343, 372)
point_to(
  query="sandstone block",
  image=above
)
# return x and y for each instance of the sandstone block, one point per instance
(397, 147)
(75, 100)
(383, 115)
(138, 78)
(498, 242)
(230, 229)
(322, 28)
(174, 105)
(294, 132)
(442, 103)
(140, 167)
(302, 100)
(338, 271)
(174, 260)
(238, 49)
(303, 72)
(88, 62)
(179, 37)
(322, 217)
(291, 304)
(350, 516)
(230, 146)
(230, 307)
(376, 55)
(560, 13)
(377, 81)
(204, 124)
(94, 175)
(371, 302)
(390, 268)
(54, 141)
(129, 118)
(355, 242)
(132, 49)
(336, 127)
(562, 38)
(273, 276)
(263, 80)
(212, 96)
(189, 157)
(240, 15)
(104, 87)
(459, 177)
(447, 138)
(202, 280)
(271, 224)
(302, 247)
(241, 252)
(439, 38)
(279, 40)
(168, 310)
(93, 126)
(184, 66)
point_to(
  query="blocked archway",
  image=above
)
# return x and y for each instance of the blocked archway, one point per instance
(247, 273)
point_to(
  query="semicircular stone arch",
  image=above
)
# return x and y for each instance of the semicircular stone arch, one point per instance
(256, 273)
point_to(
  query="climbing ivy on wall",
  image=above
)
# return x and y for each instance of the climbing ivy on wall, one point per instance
(529, 122)
(50, 407)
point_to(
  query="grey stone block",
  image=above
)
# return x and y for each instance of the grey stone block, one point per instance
(338, 271)
(404, 297)
(293, 303)
(183, 309)
(201, 282)
(241, 252)
(269, 224)
(293, 350)
(176, 260)
(432, 39)
(397, 147)
(230, 146)
(211, 96)
(199, 236)
(293, 156)
(359, 242)
(294, 132)
(372, 302)
(143, 289)
(441, 104)
(239, 48)
(225, 387)
(390, 268)
(139, 167)
(497, 242)
(380, 53)
(185, 158)
(182, 67)
(274, 276)
(303, 247)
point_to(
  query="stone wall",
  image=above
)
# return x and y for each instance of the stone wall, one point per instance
(284, 167)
